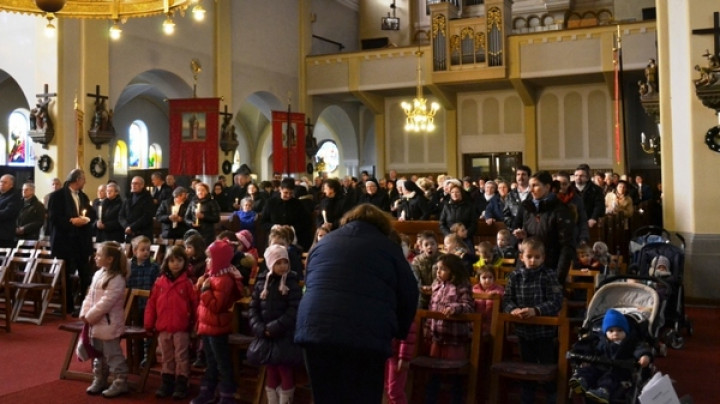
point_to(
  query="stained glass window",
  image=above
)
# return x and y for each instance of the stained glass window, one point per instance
(20, 146)
(329, 155)
(138, 149)
(154, 156)
(120, 158)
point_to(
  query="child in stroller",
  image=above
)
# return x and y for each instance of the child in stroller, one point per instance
(599, 381)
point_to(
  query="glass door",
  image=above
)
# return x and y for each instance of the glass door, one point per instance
(491, 165)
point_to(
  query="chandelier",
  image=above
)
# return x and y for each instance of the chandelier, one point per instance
(419, 117)
(114, 10)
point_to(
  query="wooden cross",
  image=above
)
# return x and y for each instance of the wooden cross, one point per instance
(715, 30)
(45, 96)
(97, 95)
(226, 113)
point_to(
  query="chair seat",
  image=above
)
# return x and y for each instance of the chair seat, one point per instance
(30, 286)
(75, 326)
(526, 371)
(427, 362)
(134, 332)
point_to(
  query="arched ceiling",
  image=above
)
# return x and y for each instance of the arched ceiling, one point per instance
(156, 86)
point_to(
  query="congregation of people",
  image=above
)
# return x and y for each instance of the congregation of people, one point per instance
(356, 267)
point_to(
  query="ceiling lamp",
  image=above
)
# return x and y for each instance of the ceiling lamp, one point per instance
(98, 9)
(198, 12)
(168, 25)
(50, 27)
(419, 118)
(115, 31)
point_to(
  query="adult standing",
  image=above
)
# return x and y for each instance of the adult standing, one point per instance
(521, 192)
(568, 196)
(592, 195)
(138, 211)
(171, 215)
(160, 191)
(288, 210)
(371, 195)
(203, 213)
(459, 210)
(333, 206)
(239, 190)
(70, 214)
(483, 201)
(355, 303)
(31, 216)
(544, 216)
(10, 205)
(413, 205)
(108, 227)
(498, 209)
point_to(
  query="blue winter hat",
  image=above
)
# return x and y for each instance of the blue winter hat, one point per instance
(614, 318)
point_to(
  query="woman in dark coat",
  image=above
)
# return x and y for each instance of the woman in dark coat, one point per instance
(360, 294)
(543, 215)
(458, 210)
(333, 205)
(203, 213)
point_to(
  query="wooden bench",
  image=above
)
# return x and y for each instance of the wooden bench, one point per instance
(483, 232)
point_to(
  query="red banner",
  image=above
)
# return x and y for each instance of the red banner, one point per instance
(194, 129)
(288, 149)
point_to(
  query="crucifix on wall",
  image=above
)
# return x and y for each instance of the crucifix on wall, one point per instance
(710, 74)
(102, 130)
(41, 126)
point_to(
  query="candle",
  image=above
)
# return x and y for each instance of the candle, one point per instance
(402, 215)
(100, 213)
(175, 209)
(324, 215)
(197, 210)
(236, 201)
(83, 212)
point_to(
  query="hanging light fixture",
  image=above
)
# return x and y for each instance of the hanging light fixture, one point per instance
(419, 117)
(50, 27)
(198, 12)
(168, 25)
(115, 31)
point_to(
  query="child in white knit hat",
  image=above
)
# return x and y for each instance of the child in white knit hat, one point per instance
(273, 311)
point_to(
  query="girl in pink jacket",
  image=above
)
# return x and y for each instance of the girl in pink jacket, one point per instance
(170, 312)
(103, 310)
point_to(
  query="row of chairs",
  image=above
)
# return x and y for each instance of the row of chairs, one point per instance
(31, 281)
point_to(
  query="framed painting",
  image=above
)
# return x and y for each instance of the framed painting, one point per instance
(194, 130)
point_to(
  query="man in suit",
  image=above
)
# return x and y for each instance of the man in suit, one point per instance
(10, 205)
(644, 191)
(31, 216)
(138, 211)
(161, 191)
(592, 195)
(70, 214)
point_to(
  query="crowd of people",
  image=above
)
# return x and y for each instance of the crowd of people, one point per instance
(197, 284)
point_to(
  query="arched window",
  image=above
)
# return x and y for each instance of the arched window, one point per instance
(138, 149)
(329, 155)
(120, 158)
(20, 146)
(154, 156)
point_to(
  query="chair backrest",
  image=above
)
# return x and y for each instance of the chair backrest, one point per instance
(132, 296)
(19, 269)
(5, 254)
(507, 265)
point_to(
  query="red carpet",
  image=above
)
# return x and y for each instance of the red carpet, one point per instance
(31, 357)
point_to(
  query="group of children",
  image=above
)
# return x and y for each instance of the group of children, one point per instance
(192, 293)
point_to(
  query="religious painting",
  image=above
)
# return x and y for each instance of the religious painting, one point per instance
(194, 127)
(288, 142)
(20, 148)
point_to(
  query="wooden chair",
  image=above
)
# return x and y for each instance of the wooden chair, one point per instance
(40, 287)
(132, 334)
(422, 365)
(6, 308)
(513, 369)
(157, 253)
(507, 265)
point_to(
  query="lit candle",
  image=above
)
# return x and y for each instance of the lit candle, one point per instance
(197, 210)
(83, 212)
(236, 201)
(324, 215)
(402, 215)
(175, 209)
(100, 213)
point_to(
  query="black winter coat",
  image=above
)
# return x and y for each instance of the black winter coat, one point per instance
(163, 216)
(113, 230)
(461, 211)
(138, 216)
(31, 219)
(276, 315)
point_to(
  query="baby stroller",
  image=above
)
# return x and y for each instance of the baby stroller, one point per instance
(641, 305)
(651, 243)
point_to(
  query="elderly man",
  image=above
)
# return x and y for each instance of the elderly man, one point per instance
(69, 215)
(160, 191)
(32, 214)
(138, 211)
(10, 205)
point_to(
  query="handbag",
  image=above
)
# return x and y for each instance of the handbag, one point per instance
(259, 351)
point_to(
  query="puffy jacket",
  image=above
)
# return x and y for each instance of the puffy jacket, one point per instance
(360, 292)
(172, 304)
(461, 211)
(214, 313)
(104, 308)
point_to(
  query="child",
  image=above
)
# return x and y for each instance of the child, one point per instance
(103, 310)
(533, 290)
(320, 232)
(485, 253)
(143, 273)
(423, 264)
(273, 311)
(285, 236)
(486, 284)
(195, 250)
(660, 268)
(601, 382)
(462, 232)
(170, 312)
(455, 245)
(505, 246)
(246, 215)
(585, 258)
(218, 293)
(451, 294)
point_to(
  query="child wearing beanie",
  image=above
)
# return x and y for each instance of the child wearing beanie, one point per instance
(218, 292)
(602, 382)
(273, 312)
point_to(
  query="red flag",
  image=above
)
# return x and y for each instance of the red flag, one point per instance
(288, 145)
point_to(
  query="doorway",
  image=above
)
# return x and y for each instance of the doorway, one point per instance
(491, 165)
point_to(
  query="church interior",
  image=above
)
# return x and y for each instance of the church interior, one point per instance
(548, 84)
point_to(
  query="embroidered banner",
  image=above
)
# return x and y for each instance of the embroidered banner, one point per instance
(288, 149)
(194, 136)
